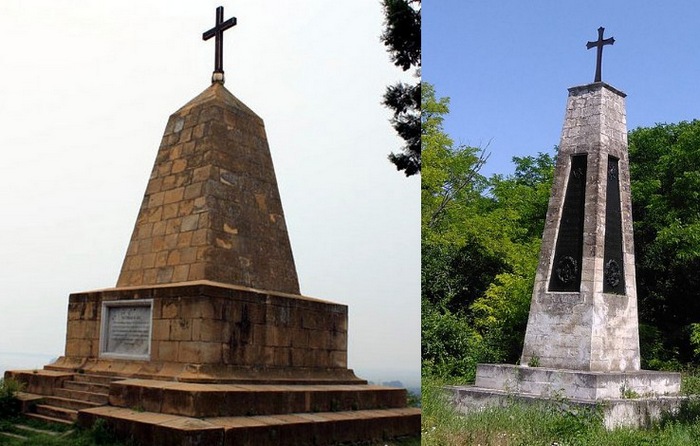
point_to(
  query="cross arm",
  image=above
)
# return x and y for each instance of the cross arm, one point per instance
(230, 23)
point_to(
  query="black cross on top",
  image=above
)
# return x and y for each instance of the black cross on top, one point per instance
(599, 43)
(218, 32)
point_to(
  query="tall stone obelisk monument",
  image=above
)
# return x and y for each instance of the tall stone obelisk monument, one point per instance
(583, 313)
(582, 338)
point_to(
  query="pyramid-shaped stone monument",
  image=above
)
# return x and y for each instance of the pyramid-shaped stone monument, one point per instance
(206, 339)
(212, 210)
(582, 337)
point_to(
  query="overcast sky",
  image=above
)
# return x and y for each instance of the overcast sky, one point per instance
(85, 92)
(507, 64)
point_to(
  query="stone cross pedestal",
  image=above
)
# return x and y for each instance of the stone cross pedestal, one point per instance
(582, 338)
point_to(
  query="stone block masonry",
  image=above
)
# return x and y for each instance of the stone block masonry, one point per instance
(212, 209)
(587, 324)
(213, 329)
(582, 337)
(206, 340)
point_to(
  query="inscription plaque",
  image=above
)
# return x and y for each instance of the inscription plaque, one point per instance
(568, 254)
(614, 271)
(126, 329)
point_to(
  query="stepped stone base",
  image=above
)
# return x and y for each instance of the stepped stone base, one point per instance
(627, 399)
(575, 383)
(637, 412)
(322, 428)
(203, 373)
(157, 412)
(205, 363)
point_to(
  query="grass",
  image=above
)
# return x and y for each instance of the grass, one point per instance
(37, 433)
(544, 425)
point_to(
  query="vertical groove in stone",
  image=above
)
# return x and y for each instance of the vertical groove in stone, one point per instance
(613, 264)
(568, 255)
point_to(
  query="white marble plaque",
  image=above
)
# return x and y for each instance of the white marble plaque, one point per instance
(126, 329)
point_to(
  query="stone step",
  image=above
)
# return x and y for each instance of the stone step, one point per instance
(208, 400)
(87, 387)
(322, 428)
(48, 419)
(95, 379)
(68, 403)
(57, 412)
(14, 436)
(35, 430)
(98, 398)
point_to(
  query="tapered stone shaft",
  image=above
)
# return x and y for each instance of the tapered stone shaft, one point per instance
(212, 209)
(583, 314)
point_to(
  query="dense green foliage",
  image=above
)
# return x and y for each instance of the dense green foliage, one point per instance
(402, 39)
(665, 171)
(481, 238)
(480, 242)
(9, 404)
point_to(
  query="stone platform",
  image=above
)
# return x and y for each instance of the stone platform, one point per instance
(205, 363)
(210, 332)
(156, 412)
(322, 428)
(626, 398)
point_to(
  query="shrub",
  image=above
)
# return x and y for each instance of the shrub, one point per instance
(9, 404)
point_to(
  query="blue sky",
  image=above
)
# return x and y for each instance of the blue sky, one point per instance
(506, 66)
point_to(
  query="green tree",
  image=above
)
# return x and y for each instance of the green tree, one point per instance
(480, 242)
(665, 176)
(402, 38)
(519, 211)
(451, 188)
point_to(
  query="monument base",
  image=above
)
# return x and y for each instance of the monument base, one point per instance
(626, 398)
(204, 363)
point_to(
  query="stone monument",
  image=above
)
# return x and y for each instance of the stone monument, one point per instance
(206, 339)
(582, 337)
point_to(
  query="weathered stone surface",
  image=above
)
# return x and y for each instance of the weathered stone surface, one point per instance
(587, 328)
(126, 329)
(40, 382)
(636, 413)
(219, 325)
(323, 428)
(582, 340)
(212, 209)
(576, 384)
(225, 333)
(223, 400)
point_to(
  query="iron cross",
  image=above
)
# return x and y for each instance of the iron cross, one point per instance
(599, 43)
(218, 32)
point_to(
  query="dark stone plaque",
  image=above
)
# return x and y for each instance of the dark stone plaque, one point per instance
(614, 272)
(568, 254)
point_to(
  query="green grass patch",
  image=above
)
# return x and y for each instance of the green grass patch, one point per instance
(48, 434)
(545, 424)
